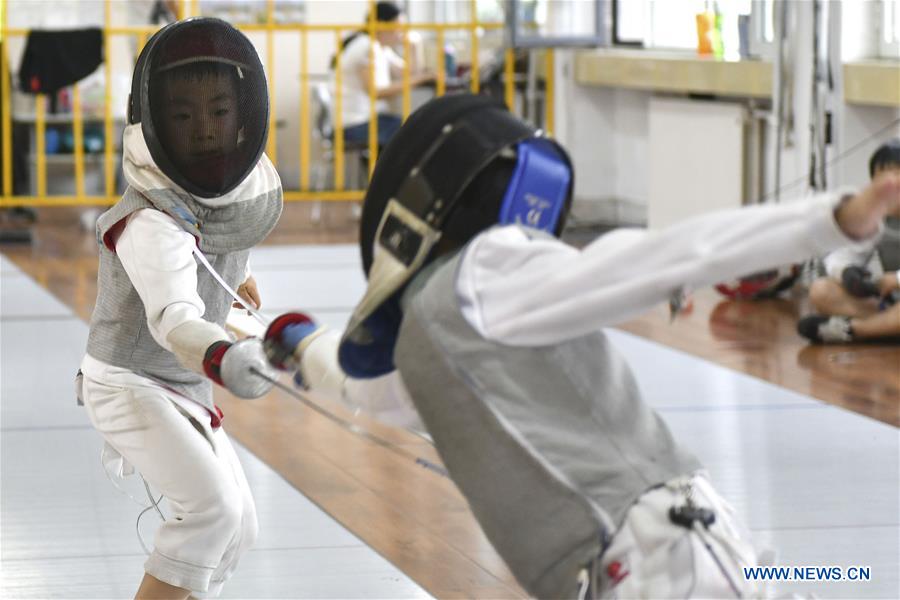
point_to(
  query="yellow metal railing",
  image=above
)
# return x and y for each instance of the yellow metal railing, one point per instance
(270, 28)
(5, 93)
(304, 110)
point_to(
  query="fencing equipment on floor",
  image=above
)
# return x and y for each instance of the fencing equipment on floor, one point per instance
(500, 350)
(157, 338)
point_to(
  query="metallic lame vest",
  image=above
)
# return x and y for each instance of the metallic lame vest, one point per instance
(119, 333)
(550, 445)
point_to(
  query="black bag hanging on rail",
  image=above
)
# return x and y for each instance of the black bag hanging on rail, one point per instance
(58, 58)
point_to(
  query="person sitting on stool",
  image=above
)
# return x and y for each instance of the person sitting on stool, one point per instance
(355, 53)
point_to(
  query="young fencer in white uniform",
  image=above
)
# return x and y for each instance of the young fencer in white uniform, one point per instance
(198, 183)
(482, 328)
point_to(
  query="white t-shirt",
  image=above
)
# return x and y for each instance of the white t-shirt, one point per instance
(355, 103)
(865, 257)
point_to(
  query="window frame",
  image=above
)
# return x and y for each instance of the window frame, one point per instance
(889, 49)
(518, 39)
(614, 29)
(758, 46)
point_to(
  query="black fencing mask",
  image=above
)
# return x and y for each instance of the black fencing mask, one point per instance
(200, 95)
(459, 165)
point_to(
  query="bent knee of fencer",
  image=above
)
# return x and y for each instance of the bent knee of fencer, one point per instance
(199, 531)
(226, 512)
(190, 547)
(240, 544)
(249, 529)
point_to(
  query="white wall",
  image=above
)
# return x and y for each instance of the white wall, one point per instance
(606, 132)
(861, 122)
(63, 14)
(696, 169)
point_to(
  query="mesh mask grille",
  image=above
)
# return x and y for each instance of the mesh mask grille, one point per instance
(412, 142)
(204, 105)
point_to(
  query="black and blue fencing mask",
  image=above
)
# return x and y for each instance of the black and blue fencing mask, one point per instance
(459, 165)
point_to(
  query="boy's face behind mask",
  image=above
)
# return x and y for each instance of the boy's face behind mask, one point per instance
(199, 123)
(201, 97)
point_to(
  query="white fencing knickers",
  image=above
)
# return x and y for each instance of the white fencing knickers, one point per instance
(212, 517)
(652, 557)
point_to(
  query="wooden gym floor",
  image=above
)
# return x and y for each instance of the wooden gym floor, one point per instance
(416, 519)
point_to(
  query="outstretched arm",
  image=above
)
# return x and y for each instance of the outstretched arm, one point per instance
(532, 291)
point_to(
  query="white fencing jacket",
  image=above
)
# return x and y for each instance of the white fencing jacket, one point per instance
(158, 256)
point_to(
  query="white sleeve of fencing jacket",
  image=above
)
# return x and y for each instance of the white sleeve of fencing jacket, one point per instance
(158, 256)
(382, 398)
(527, 290)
